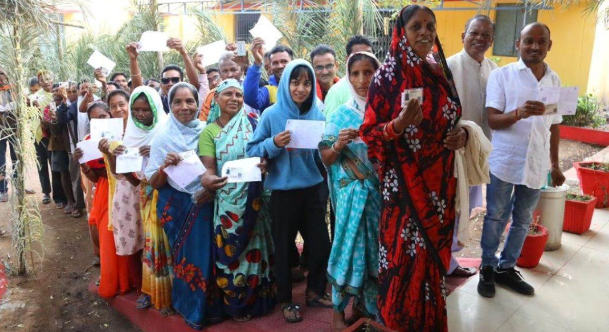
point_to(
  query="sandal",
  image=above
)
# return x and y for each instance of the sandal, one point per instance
(242, 318)
(463, 272)
(68, 210)
(60, 206)
(46, 199)
(143, 302)
(291, 313)
(316, 302)
(168, 312)
(76, 213)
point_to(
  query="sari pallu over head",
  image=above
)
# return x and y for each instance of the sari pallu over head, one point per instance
(415, 169)
(138, 134)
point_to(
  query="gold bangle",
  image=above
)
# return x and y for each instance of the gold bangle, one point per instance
(140, 74)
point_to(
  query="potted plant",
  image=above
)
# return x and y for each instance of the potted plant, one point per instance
(367, 325)
(594, 181)
(578, 213)
(534, 245)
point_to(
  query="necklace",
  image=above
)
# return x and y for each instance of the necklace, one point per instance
(219, 123)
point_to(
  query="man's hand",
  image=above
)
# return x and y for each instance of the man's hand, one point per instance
(132, 50)
(176, 44)
(531, 108)
(557, 177)
(258, 51)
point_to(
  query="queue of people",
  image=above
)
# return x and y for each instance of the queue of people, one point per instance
(401, 175)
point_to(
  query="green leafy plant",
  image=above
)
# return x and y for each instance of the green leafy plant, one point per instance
(579, 198)
(588, 113)
(604, 167)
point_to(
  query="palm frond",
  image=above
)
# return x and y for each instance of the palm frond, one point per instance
(208, 30)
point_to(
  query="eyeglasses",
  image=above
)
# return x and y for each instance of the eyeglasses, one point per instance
(173, 80)
(326, 67)
(475, 34)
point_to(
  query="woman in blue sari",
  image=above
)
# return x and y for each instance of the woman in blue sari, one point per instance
(242, 225)
(186, 214)
(354, 192)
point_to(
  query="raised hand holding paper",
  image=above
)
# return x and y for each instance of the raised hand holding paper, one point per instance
(306, 134)
(212, 52)
(241, 48)
(129, 162)
(90, 151)
(153, 41)
(187, 170)
(98, 60)
(267, 31)
(112, 129)
(242, 170)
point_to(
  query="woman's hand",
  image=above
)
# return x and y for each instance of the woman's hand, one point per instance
(282, 139)
(78, 153)
(104, 146)
(214, 182)
(119, 150)
(455, 139)
(412, 114)
(262, 165)
(145, 151)
(99, 75)
(172, 159)
(345, 136)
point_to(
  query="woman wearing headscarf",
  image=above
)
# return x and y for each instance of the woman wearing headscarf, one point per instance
(353, 183)
(412, 148)
(242, 225)
(295, 180)
(146, 118)
(186, 214)
(118, 274)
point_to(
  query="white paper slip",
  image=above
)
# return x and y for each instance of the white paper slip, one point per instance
(187, 170)
(130, 161)
(64, 85)
(90, 150)
(267, 31)
(241, 48)
(98, 60)
(306, 134)
(409, 94)
(242, 170)
(549, 96)
(153, 41)
(112, 129)
(212, 52)
(567, 104)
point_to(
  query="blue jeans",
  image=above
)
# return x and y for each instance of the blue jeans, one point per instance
(4, 145)
(502, 200)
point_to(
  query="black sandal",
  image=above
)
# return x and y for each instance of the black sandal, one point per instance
(293, 309)
(316, 303)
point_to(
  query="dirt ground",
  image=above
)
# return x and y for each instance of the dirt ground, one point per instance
(57, 299)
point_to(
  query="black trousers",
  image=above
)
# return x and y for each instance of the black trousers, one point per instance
(44, 159)
(293, 211)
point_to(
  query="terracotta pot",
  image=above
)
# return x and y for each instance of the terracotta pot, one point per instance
(367, 324)
(578, 216)
(593, 182)
(533, 248)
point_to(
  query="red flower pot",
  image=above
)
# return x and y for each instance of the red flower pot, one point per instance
(533, 248)
(578, 215)
(593, 182)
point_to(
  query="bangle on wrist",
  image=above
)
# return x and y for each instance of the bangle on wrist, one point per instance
(333, 149)
(135, 75)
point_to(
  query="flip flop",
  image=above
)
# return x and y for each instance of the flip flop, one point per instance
(143, 302)
(463, 272)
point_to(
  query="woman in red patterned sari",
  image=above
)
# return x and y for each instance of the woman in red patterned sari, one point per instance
(412, 148)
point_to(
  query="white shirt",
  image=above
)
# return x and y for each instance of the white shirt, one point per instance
(470, 79)
(521, 152)
(83, 119)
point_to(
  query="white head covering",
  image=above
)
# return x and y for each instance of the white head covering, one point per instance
(138, 134)
(355, 97)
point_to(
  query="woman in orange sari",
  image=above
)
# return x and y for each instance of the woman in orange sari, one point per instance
(116, 272)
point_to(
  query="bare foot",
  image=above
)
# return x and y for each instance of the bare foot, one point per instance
(338, 321)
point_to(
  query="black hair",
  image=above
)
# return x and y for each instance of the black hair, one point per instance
(180, 86)
(357, 40)
(267, 55)
(33, 81)
(322, 49)
(142, 96)
(113, 76)
(55, 85)
(114, 84)
(117, 92)
(98, 104)
(306, 106)
(532, 25)
(211, 70)
(153, 80)
(409, 11)
(481, 18)
(82, 81)
(282, 48)
(173, 67)
(362, 57)
(130, 83)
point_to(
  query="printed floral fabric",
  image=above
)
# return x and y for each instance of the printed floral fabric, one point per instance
(417, 188)
(126, 218)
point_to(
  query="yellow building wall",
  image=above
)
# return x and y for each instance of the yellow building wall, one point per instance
(185, 27)
(598, 82)
(572, 35)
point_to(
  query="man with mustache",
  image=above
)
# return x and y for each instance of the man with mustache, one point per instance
(521, 159)
(323, 59)
(471, 71)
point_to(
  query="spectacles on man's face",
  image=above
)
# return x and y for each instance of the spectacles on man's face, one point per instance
(173, 80)
(326, 67)
(484, 35)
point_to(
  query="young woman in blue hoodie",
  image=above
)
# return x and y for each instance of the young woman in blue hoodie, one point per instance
(294, 178)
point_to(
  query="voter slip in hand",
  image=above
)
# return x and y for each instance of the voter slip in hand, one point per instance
(267, 31)
(90, 150)
(212, 52)
(130, 161)
(153, 41)
(558, 100)
(98, 60)
(187, 170)
(242, 170)
(111, 129)
(305, 134)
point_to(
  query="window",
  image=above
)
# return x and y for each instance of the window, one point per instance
(244, 23)
(507, 28)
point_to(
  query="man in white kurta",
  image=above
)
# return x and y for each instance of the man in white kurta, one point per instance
(470, 72)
